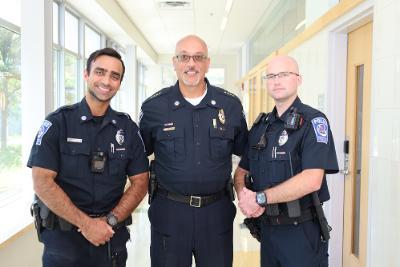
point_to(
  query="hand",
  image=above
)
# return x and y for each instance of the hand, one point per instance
(248, 204)
(97, 231)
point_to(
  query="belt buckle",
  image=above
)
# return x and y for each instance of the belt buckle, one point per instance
(195, 201)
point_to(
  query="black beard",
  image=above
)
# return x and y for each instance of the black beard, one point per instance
(97, 98)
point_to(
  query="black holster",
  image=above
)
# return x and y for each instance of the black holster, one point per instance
(230, 189)
(153, 184)
(42, 215)
(253, 224)
(323, 223)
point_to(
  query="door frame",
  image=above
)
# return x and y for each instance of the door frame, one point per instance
(336, 112)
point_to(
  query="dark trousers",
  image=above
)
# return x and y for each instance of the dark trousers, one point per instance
(179, 231)
(293, 246)
(71, 249)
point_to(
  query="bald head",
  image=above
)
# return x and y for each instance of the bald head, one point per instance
(191, 40)
(282, 63)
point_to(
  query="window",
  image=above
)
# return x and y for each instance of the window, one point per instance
(71, 32)
(216, 76)
(92, 41)
(12, 178)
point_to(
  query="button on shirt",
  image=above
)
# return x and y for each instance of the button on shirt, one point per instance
(193, 145)
(288, 152)
(65, 144)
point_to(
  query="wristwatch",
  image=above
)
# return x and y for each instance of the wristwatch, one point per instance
(112, 220)
(261, 198)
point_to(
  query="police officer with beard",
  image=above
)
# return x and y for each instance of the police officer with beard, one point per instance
(193, 128)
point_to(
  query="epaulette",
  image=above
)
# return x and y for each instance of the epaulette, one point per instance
(227, 93)
(260, 118)
(119, 113)
(62, 108)
(157, 94)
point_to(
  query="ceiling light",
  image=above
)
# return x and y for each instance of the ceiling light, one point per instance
(300, 24)
(228, 6)
(223, 24)
(165, 4)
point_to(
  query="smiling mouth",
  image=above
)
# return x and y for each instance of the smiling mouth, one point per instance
(104, 89)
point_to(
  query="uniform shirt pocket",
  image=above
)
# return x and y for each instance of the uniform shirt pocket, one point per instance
(117, 163)
(75, 159)
(281, 167)
(221, 142)
(171, 144)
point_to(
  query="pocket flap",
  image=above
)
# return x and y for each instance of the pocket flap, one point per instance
(75, 149)
(222, 132)
(168, 135)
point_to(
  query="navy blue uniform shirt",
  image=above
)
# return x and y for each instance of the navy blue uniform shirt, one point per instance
(65, 142)
(193, 145)
(288, 152)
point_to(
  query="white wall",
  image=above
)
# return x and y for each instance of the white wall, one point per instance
(384, 161)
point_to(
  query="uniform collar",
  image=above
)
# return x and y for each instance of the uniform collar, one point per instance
(177, 100)
(296, 104)
(86, 115)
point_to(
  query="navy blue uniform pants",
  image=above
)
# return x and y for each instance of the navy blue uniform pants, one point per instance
(293, 246)
(179, 231)
(71, 249)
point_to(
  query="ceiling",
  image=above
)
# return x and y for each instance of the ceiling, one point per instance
(162, 26)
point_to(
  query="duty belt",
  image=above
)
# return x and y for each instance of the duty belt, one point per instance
(193, 201)
(283, 219)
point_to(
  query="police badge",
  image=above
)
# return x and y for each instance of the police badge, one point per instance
(283, 138)
(119, 137)
(221, 116)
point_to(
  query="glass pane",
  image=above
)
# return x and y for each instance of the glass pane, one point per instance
(11, 11)
(357, 184)
(55, 23)
(71, 79)
(56, 99)
(71, 32)
(11, 179)
(216, 76)
(92, 41)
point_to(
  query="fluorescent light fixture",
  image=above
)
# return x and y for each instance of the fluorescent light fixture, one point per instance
(301, 24)
(223, 24)
(228, 6)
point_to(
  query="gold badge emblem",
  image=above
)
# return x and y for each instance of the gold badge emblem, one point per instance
(221, 116)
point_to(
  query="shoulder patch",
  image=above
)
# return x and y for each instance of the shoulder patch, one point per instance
(157, 94)
(42, 131)
(321, 129)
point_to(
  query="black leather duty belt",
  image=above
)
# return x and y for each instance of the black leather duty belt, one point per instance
(193, 201)
(306, 215)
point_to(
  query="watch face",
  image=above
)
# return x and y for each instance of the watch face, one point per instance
(261, 199)
(112, 220)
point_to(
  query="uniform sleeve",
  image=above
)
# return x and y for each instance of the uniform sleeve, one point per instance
(241, 135)
(318, 151)
(45, 152)
(244, 161)
(138, 161)
(145, 131)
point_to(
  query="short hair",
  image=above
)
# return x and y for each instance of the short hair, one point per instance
(108, 51)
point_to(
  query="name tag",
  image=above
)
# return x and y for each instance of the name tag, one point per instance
(169, 129)
(74, 140)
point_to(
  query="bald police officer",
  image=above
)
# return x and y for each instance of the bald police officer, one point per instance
(288, 154)
(80, 161)
(193, 128)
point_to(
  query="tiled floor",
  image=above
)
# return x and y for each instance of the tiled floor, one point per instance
(246, 248)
